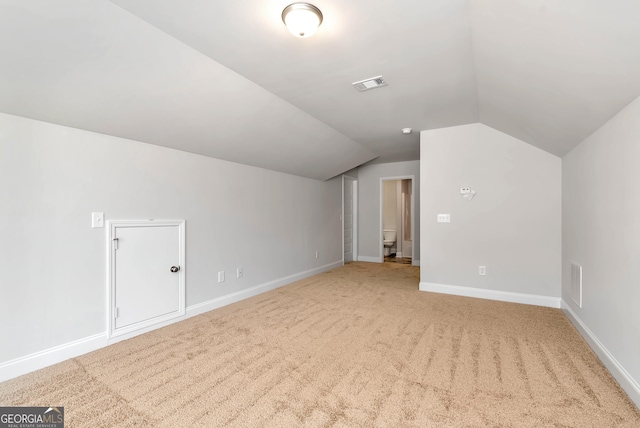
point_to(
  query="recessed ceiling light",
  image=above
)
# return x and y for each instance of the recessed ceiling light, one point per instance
(407, 130)
(371, 83)
(302, 19)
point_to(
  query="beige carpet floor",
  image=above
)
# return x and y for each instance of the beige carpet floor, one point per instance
(359, 346)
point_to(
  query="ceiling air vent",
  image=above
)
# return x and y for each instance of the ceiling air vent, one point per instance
(372, 83)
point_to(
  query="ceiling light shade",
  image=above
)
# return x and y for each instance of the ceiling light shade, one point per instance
(302, 19)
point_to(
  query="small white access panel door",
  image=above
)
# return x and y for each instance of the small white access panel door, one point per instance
(147, 274)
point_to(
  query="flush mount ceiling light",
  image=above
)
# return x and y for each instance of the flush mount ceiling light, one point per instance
(367, 84)
(407, 131)
(302, 19)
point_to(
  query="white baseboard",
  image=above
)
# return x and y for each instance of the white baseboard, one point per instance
(481, 293)
(142, 330)
(38, 360)
(415, 262)
(48, 357)
(219, 302)
(628, 383)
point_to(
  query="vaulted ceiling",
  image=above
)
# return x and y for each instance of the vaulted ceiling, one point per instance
(225, 79)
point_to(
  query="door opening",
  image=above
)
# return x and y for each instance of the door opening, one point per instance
(397, 217)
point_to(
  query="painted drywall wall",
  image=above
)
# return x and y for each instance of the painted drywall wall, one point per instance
(370, 233)
(601, 232)
(390, 205)
(353, 173)
(53, 286)
(512, 226)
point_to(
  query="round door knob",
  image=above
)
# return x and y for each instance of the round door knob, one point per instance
(175, 268)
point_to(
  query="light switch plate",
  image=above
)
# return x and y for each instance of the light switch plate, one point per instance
(97, 220)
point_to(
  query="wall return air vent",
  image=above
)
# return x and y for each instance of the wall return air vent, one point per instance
(371, 83)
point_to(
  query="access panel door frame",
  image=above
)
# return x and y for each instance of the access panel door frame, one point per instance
(116, 333)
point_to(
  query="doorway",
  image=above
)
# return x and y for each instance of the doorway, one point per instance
(349, 218)
(146, 274)
(397, 217)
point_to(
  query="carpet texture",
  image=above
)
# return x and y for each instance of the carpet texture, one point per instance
(358, 346)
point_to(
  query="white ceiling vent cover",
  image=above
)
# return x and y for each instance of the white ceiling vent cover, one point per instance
(371, 83)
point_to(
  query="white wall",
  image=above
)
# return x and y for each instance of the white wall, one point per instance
(513, 226)
(353, 173)
(53, 286)
(370, 232)
(390, 205)
(601, 231)
(405, 190)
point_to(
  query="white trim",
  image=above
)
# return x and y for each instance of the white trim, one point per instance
(399, 255)
(219, 302)
(114, 333)
(37, 360)
(355, 220)
(626, 381)
(342, 218)
(481, 293)
(369, 259)
(354, 213)
(144, 329)
(415, 262)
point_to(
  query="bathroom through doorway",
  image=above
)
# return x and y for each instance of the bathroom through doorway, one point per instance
(397, 213)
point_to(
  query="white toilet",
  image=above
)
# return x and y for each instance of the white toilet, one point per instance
(389, 240)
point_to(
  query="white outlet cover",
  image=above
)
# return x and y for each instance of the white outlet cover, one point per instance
(444, 218)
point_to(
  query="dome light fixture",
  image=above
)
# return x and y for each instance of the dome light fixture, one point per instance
(302, 19)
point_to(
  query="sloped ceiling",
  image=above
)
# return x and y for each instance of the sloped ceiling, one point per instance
(225, 79)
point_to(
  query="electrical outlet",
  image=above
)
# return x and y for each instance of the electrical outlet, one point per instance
(317, 254)
(239, 273)
(221, 276)
(482, 270)
(465, 190)
(444, 218)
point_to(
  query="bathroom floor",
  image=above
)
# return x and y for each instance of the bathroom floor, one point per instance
(401, 260)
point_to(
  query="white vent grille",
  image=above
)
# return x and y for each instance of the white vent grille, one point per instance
(576, 284)
(371, 83)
